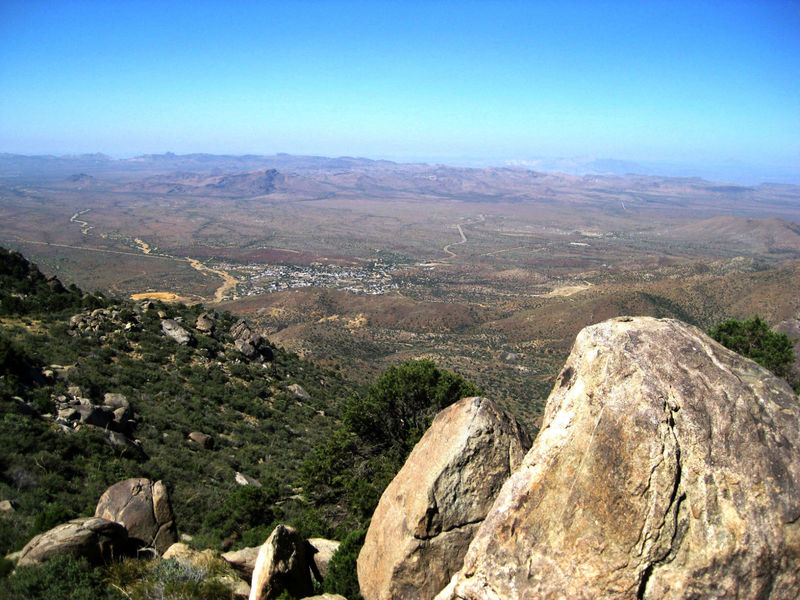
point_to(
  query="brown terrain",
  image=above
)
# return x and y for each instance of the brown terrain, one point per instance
(359, 264)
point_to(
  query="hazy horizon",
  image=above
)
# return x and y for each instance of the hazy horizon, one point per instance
(687, 86)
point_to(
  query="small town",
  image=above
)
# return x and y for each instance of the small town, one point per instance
(256, 279)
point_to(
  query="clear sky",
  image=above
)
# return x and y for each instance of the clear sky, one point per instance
(648, 81)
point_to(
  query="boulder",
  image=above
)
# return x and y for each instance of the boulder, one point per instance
(98, 540)
(325, 597)
(298, 391)
(430, 511)
(243, 479)
(115, 401)
(173, 330)
(281, 566)
(143, 508)
(95, 415)
(667, 467)
(320, 551)
(246, 348)
(203, 439)
(243, 561)
(240, 330)
(205, 323)
(187, 555)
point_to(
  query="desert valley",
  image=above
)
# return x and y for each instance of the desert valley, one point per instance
(358, 264)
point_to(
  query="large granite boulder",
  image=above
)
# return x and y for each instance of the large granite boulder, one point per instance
(172, 329)
(429, 513)
(98, 540)
(281, 566)
(143, 508)
(667, 467)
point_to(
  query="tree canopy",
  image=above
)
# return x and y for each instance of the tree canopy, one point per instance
(754, 339)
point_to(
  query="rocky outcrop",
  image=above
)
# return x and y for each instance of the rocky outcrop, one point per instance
(429, 513)
(113, 414)
(143, 508)
(98, 540)
(172, 329)
(205, 323)
(251, 344)
(243, 561)
(666, 467)
(320, 551)
(281, 566)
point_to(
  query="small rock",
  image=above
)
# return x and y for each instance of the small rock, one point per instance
(203, 439)
(7, 506)
(243, 479)
(186, 555)
(298, 391)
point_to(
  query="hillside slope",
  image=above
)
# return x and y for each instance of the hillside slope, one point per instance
(66, 356)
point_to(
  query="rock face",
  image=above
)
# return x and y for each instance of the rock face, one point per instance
(96, 539)
(666, 467)
(173, 330)
(281, 566)
(428, 515)
(143, 508)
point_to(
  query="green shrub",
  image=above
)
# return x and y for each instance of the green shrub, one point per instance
(358, 460)
(63, 577)
(167, 579)
(342, 577)
(754, 339)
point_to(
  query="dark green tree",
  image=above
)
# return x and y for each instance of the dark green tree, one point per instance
(754, 339)
(379, 429)
(342, 578)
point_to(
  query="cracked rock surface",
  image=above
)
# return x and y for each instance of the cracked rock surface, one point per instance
(98, 540)
(667, 467)
(428, 514)
(143, 508)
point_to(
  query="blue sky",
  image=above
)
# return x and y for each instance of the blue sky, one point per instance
(672, 81)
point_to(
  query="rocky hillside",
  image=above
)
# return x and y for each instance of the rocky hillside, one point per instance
(166, 451)
(95, 390)
(181, 422)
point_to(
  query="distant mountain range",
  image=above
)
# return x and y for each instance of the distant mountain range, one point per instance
(18, 165)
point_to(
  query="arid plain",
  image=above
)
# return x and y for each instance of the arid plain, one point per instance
(358, 264)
